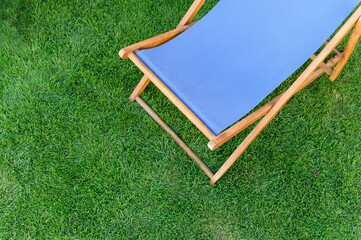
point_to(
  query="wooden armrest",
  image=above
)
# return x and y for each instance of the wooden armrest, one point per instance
(154, 41)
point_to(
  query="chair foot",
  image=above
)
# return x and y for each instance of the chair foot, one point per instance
(213, 181)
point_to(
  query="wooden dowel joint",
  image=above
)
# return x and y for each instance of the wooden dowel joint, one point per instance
(323, 65)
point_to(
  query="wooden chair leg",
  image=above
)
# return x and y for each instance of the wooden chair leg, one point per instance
(140, 88)
(174, 136)
(260, 126)
(289, 93)
(355, 36)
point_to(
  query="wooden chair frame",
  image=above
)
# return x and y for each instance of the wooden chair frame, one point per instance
(317, 68)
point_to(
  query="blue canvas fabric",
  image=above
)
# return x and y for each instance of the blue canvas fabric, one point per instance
(229, 61)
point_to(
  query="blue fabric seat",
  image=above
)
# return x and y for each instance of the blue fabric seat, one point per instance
(229, 61)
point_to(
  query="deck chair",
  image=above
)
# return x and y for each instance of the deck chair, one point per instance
(218, 69)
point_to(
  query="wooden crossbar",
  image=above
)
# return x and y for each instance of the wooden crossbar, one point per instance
(327, 69)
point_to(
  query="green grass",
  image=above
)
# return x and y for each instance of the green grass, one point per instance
(78, 160)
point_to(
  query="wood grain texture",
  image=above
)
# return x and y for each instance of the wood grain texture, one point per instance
(191, 13)
(323, 65)
(335, 51)
(174, 136)
(153, 42)
(172, 97)
(355, 36)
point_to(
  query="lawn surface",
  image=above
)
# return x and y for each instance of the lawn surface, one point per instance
(78, 160)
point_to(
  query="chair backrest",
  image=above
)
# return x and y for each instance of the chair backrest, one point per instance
(224, 65)
(272, 24)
